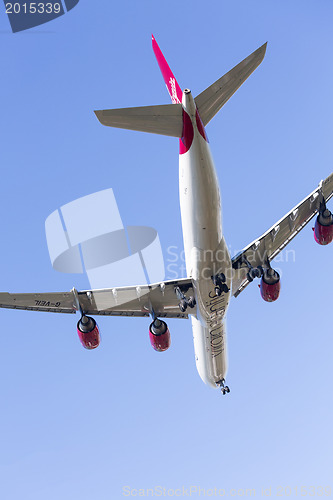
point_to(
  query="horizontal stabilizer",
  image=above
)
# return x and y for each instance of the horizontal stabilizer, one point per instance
(211, 100)
(164, 120)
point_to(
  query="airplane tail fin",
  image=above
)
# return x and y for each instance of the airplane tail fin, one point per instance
(168, 119)
(211, 100)
(170, 81)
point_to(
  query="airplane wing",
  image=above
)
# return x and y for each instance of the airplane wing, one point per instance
(270, 244)
(122, 301)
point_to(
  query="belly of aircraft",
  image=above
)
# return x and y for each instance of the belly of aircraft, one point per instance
(206, 255)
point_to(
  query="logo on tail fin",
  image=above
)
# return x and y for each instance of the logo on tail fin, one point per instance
(174, 96)
(169, 79)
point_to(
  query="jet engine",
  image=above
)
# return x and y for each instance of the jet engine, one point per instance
(270, 285)
(159, 335)
(88, 332)
(323, 230)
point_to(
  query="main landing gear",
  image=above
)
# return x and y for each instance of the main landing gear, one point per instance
(219, 281)
(224, 388)
(184, 302)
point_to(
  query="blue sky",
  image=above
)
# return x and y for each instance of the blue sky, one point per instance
(79, 424)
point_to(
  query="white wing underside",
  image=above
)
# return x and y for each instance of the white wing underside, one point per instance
(123, 301)
(270, 244)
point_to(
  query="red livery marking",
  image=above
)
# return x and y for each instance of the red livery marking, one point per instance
(88, 332)
(170, 81)
(201, 127)
(89, 340)
(270, 292)
(186, 140)
(160, 341)
(323, 234)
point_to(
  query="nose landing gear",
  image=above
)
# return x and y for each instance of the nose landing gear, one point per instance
(224, 388)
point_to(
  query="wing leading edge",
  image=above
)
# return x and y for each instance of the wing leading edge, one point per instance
(270, 244)
(161, 298)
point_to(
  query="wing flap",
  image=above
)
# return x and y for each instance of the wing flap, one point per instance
(123, 301)
(136, 301)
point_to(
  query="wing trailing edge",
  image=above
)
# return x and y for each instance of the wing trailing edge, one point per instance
(136, 301)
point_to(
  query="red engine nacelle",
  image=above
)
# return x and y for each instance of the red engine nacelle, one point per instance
(88, 332)
(323, 230)
(270, 285)
(159, 335)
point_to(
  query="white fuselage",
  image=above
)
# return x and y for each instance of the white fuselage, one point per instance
(206, 253)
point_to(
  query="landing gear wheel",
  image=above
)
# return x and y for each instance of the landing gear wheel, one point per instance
(183, 305)
(222, 277)
(191, 302)
(218, 291)
(225, 288)
(224, 388)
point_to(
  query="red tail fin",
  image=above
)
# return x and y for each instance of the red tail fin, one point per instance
(170, 81)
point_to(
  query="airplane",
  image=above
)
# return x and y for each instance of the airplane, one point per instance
(212, 275)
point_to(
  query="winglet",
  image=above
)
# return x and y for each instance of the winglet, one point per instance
(170, 81)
